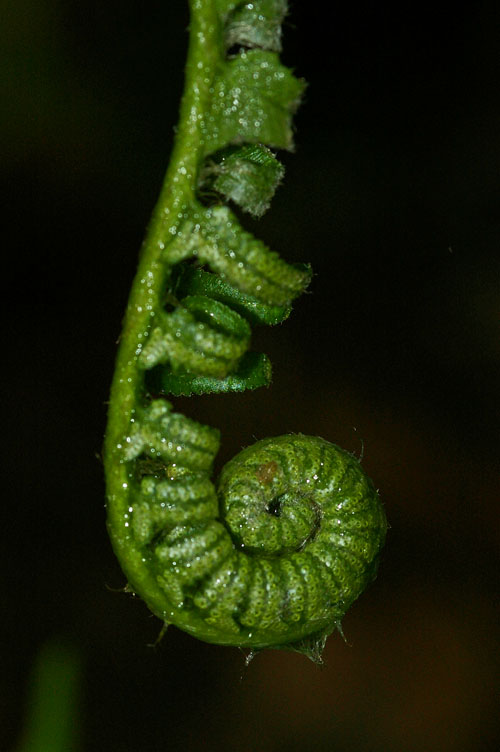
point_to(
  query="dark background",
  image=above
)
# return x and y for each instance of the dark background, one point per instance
(393, 196)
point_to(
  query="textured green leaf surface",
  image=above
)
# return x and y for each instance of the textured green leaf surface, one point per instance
(193, 281)
(275, 554)
(254, 97)
(248, 175)
(202, 335)
(254, 371)
(255, 24)
(246, 262)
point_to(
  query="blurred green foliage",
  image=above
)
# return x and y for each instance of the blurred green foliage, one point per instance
(52, 714)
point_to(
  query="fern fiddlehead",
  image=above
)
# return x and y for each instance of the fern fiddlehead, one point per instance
(275, 554)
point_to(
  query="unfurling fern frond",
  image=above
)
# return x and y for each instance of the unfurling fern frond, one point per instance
(275, 554)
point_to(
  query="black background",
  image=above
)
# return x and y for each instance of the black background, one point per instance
(393, 196)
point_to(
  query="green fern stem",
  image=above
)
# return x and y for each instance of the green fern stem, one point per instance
(127, 389)
(291, 536)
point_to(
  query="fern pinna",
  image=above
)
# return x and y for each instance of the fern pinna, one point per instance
(275, 554)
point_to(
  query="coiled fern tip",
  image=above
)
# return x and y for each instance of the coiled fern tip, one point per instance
(274, 554)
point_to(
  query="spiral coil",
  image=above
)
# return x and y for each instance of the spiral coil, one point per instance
(276, 553)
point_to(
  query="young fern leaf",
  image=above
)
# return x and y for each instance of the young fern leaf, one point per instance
(274, 555)
(247, 175)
